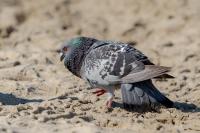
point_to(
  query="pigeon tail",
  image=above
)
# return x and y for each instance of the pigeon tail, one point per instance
(143, 94)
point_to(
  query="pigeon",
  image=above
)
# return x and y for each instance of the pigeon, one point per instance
(107, 65)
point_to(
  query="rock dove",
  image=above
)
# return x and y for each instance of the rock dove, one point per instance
(106, 65)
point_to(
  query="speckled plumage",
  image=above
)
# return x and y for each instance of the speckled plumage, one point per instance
(106, 64)
(74, 61)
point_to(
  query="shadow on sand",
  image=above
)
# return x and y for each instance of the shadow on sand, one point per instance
(10, 99)
(184, 107)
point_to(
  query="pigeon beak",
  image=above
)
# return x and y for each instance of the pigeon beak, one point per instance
(62, 56)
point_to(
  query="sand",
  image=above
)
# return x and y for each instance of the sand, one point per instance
(37, 94)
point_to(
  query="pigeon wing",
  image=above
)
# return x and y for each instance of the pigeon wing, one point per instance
(110, 63)
(149, 72)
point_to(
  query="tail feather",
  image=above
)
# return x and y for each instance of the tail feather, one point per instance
(143, 94)
(158, 95)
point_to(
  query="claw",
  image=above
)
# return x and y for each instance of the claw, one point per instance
(99, 92)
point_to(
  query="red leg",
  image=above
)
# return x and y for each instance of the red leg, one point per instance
(99, 92)
(109, 102)
(110, 98)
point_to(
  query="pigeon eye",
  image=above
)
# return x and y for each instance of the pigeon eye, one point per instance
(65, 49)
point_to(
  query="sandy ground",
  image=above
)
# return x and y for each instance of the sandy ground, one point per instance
(37, 94)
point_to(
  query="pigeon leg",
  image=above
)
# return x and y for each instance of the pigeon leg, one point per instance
(109, 102)
(99, 92)
(110, 98)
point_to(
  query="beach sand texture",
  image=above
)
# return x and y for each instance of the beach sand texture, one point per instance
(37, 94)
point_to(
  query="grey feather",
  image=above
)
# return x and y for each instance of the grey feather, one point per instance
(149, 72)
(145, 95)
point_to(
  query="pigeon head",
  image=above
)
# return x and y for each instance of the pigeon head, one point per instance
(69, 46)
(74, 51)
(75, 44)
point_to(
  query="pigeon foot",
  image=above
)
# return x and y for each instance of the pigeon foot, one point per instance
(99, 92)
(109, 102)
